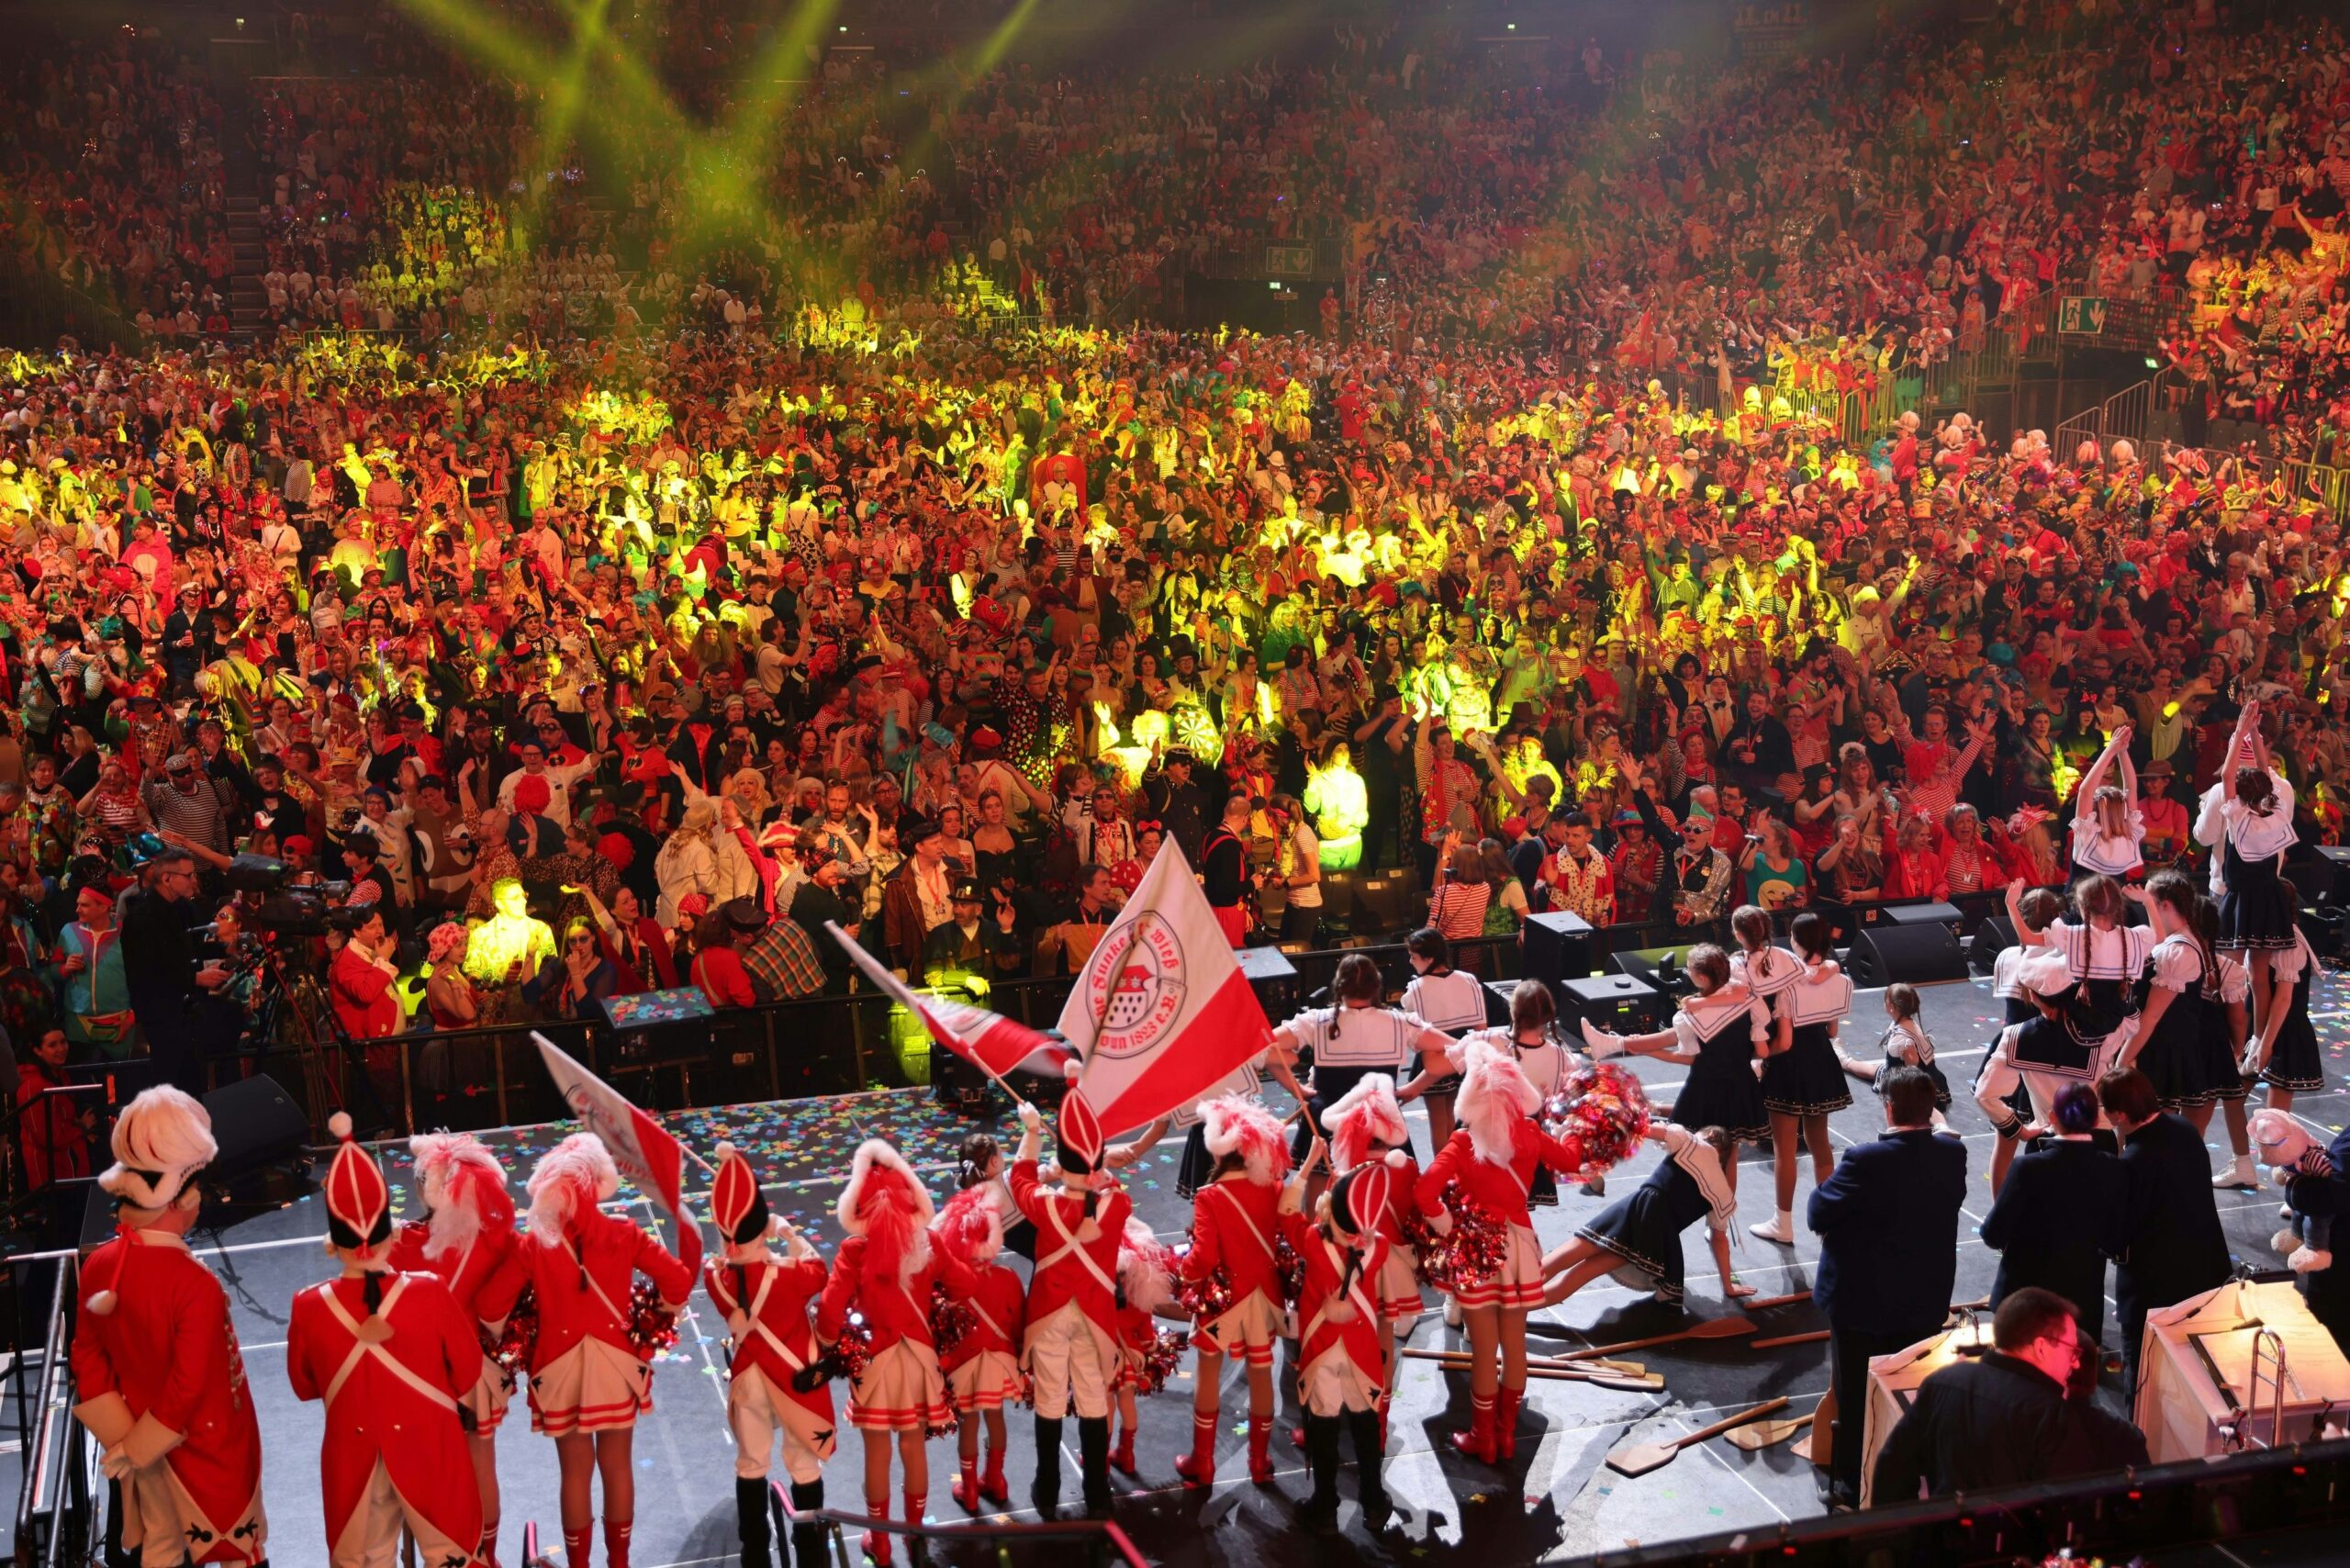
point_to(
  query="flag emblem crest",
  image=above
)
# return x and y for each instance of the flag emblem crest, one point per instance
(1138, 992)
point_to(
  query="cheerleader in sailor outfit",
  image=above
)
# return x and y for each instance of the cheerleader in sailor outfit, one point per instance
(1070, 1349)
(2044, 1052)
(394, 1358)
(1637, 1239)
(2191, 1028)
(1802, 1083)
(589, 1379)
(1492, 1155)
(2108, 832)
(983, 1367)
(466, 1232)
(1367, 1127)
(2105, 958)
(2247, 822)
(1352, 1036)
(2031, 911)
(2286, 1057)
(1340, 1305)
(1232, 1243)
(161, 1381)
(1447, 1000)
(771, 1389)
(1718, 1033)
(884, 1273)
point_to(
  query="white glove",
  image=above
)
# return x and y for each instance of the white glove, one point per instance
(1029, 1118)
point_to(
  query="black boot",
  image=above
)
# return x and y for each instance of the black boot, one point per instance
(1093, 1453)
(808, 1534)
(1320, 1511)
(752, 1523)
(1045, 1493)
(1368, 1483)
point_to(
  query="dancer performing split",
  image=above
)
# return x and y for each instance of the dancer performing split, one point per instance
(1232, 1243)
(589, 1380)
(394, 1358)
(1492, 1155)
(466, 1233)
(1638, 1237)
(883, 1273)
(764, 1301)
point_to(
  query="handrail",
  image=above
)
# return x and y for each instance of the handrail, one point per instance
(36, 1497)
(1108, 1529)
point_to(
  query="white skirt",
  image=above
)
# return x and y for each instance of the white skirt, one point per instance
(989, 1381)
(591, 1387)
(1518, 1283)
(1399, 1280)
(900, 1389)
(1248, 1328)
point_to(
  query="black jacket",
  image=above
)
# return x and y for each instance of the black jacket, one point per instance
(2060, 1216)
(1887, 1221)
(2173, 1247)
(1998, 1421)
(158, 954)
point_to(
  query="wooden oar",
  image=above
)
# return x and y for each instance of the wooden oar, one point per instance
(1639, 1459)
(1814, 1338)
(1766, 1302)
(1601, 1374)
(1823, 1418)
(1710, 1328)
(1764, 1434)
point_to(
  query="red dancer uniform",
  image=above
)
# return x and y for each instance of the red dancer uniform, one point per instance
(156, 1363)
(1341, 1307)
(983, 1368)
(1233, 1222)
(1367, 1129)
(393, 1356)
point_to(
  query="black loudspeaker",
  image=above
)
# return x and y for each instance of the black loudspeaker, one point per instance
(1388, 905)
(257, 1125)
(1914, 954)
(1273, 977)
(1991, 938)
(1935, 914)
(1558, 948)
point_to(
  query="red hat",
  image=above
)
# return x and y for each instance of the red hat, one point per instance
(531, 795)
(985, 738)
(1081, 1133)
(736, 1206)
(1359, 1199)
(359, 1203)
(616, 848)
(971, 1225)
(1233, 1123)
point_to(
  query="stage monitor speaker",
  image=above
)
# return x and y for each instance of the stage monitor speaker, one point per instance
(257, 1125)
(1557, 947)
(1388, 905)
(1991, 938)
(1912, 954)
(1933, 913)
(1664, 968)
(1273, 977)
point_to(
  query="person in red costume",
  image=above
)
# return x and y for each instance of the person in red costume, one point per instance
(1342, 1310)
(1071, 1349)
(1146, 1284)
(1367, 1126)
(764, 1301)
(884, 1273)
(393, 1357)
(156, 1362)
(466, 1233)
(1232, 1233)
(983, 1368)
(1493, 1154)
(589, 1379)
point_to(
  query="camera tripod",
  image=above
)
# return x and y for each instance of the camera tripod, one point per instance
(290, 1008)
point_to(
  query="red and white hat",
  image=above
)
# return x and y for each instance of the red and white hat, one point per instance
(886, 1203)
(1144, 1268)
(359, 1202)
(465, 1191)
(1494, 1100)
(1366, 1117)
(736, 1206)
(1358, 1200)
(971, 1225)
(162, 1137)
(1081, 1138)
(1233, 1123)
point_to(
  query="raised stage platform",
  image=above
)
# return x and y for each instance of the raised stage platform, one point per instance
(1558, 1501)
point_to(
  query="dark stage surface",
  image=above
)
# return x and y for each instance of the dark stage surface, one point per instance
(1558, 1500)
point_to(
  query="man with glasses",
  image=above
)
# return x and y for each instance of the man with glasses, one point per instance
(2021, 1413)
(187, 802)
(162, 964)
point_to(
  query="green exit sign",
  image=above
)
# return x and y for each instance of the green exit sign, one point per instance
(2080, 313)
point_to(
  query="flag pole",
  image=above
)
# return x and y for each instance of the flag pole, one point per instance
(683, 1146)
(855, 952)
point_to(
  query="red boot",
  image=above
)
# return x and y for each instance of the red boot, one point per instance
(615, 1534)
(1121, 1457)
(1506, 1403)
(1260, 1450)
(1477, 1442)
(992, 1485)
(877, 1542)
(487, 1551)
(1198, 1467)
(574, 1547)
(966, 1490)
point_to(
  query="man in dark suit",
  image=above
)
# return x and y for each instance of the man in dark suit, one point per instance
(1887, 1223)
(2004, 1418)
(2319, 1188)
(2173, 1247)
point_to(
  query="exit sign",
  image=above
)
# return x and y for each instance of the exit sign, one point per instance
(2080, 313)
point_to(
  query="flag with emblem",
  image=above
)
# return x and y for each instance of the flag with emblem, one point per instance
(989, 1041)
(642, 1149)
(1161, 1013)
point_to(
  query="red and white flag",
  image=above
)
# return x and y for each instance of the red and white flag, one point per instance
(646, 1152)
(990, 1041)
(1161, 1013)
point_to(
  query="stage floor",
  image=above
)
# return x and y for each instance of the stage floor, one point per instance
(1557, 1501)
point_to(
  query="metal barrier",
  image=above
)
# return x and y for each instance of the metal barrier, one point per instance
(58, 1514)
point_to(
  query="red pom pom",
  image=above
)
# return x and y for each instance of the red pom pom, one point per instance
(1470, 1253)
(515, 1343)
(1603, 1111)
(652, 1326)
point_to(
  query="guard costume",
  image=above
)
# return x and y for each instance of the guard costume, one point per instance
(1339, 1306)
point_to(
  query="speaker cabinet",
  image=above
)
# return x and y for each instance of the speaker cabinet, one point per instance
(1912, 954)
(1557, 947)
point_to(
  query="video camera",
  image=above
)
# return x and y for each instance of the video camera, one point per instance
(286, 908)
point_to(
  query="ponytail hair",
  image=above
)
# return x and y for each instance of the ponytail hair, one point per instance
(1709, 967)
(1813, 936)
(2256, 789)
(2179, 894)
(1750, 923)
(1429, 943)
(971, 1160)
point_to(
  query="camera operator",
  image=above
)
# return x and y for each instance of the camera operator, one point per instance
(166, 971)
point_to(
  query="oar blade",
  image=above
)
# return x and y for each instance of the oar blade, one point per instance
(1639, 1459)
